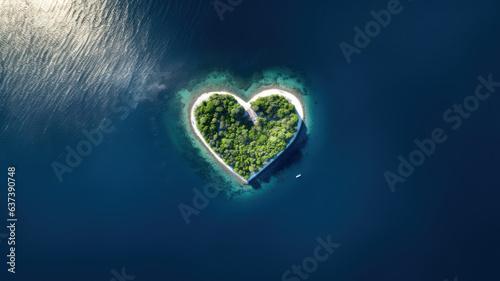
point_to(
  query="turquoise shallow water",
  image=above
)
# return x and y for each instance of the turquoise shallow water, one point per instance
(179, 129)
(63, 68)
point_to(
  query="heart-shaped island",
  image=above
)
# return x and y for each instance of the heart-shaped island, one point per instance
(247, 137)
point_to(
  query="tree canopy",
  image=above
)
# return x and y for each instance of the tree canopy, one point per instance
(243, 145)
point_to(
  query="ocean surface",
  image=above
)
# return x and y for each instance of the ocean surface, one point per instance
(124, 72)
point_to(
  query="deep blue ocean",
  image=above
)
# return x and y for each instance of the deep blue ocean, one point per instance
(68, 65)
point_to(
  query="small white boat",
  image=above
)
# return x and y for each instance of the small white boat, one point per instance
(298, 176)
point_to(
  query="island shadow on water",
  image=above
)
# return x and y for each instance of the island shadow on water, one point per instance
(191, 145)
(290, 156)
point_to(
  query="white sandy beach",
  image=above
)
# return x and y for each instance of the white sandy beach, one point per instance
(290, 97)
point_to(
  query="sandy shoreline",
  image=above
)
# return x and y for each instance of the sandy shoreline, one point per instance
(290, 97)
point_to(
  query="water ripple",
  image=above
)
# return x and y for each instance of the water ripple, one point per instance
(56, 55)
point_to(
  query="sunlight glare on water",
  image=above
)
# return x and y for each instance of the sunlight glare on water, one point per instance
(68, 56)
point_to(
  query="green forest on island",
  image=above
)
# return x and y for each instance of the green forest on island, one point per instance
(243, 145)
